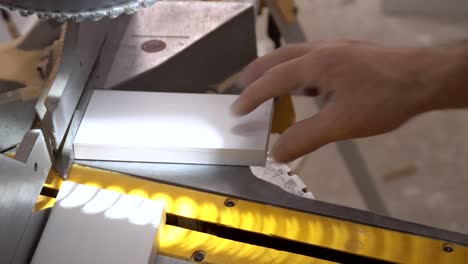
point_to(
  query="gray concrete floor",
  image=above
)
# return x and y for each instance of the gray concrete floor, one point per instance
(421, 169)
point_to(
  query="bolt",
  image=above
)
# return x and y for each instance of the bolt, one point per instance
(229, 203)
(35, 166)
(447, 247)
(153, 45)
(198, 256)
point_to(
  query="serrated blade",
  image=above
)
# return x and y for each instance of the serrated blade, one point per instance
(73, 10)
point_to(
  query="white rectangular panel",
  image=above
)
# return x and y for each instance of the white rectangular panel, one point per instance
(173, 128)
(91, 225)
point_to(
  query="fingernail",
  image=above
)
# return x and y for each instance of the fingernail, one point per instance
(235, 88)
(242, 83)
(236, 108)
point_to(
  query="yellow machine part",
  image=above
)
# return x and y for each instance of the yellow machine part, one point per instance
(43, 202)
(340, 235)
(182, 244)
(286, 8)
(53, 181)
(284, 115)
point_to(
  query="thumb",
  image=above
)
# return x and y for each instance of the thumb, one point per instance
(307, 136)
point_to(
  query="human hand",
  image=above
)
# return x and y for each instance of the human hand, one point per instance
(367, 89)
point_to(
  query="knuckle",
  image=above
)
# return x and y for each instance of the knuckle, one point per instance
(326, 55)
(337, 50)
(254, 65)
(332, 57)
(292, 72)
(275, 71)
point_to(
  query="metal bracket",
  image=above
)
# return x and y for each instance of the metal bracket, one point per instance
(82, 45)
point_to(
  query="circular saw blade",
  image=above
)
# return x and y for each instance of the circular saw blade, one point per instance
(75, 10)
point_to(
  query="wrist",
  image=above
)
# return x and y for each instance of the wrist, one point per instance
(445, 77)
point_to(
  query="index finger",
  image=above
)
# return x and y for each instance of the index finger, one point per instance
(277, 81)
(258, 67)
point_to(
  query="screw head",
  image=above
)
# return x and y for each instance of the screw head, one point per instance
(198, 256)
(154, 45)
(229, 203)
(35, 166)
(447, 247)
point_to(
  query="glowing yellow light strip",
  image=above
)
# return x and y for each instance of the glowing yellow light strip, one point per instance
(288, 224)
(53, 181)
(43, 202)
(182, 243)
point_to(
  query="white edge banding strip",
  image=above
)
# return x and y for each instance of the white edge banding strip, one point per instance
(172, 128)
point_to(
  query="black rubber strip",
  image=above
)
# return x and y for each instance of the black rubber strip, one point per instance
(268, 241)
(49, 192)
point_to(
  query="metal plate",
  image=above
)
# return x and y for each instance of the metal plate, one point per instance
(21, 181)
(31, 236)
(16, 119)
(205, 42)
